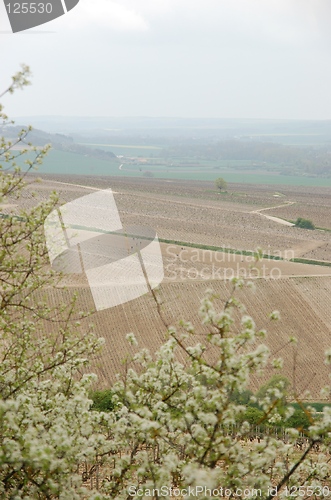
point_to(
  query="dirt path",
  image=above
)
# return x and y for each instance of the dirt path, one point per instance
(277, 206)
(275, 219)
(8, 205)
(78, 185)
(300, 250)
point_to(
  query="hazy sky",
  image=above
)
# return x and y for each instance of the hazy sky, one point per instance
(185, 58)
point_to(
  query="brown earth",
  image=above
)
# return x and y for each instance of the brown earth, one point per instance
(304, 303)
(194, 212)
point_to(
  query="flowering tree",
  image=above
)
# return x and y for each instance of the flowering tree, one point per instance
(46, 427)
(178, 426)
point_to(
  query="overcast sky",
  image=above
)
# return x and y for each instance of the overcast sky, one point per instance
(183, 58)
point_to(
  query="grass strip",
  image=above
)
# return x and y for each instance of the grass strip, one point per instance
(311, 262)
(14, 217)
(190, 245)
(316, 227)
(218, 249)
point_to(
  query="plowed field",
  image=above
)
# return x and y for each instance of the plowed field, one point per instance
(195, 213)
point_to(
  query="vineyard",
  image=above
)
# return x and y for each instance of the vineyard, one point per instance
(197, 214)
(305, 314)
(94, 474)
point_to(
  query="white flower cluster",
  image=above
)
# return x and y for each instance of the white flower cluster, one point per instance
(177, 425)
(46, 426)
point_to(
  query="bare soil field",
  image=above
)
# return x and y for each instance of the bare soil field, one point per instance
(323, 252)
(191, 264)
(194, 212)
(305, 314)
(318, 213)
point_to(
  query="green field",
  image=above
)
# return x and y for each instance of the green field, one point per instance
(236, 177)
(60, 162)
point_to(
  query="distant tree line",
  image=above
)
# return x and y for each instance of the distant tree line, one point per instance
(308, 160)
(59, 142)
(37, 137)
(86, 151)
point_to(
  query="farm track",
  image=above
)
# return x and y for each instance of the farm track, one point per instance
(275, 219)
(288, 203)
(90, 188)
